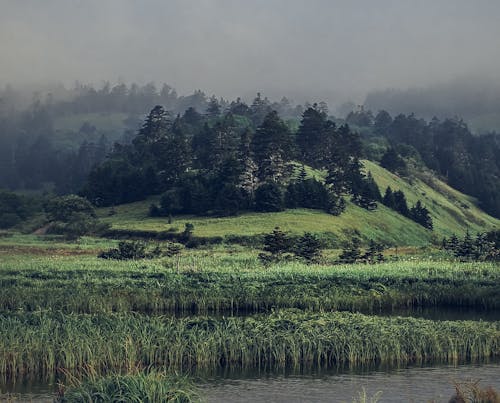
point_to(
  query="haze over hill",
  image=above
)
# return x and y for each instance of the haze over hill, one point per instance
(330, 50)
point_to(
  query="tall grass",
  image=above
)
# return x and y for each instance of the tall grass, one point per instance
(41, 343)
(139, 387)
(232, 283)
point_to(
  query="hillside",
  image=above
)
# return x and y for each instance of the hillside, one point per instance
(451, 211)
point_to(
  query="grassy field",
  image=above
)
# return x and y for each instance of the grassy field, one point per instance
(232, 279)
(451, 211)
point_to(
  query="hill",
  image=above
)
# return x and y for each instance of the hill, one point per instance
(451, 211)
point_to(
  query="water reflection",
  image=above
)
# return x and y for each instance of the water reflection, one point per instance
(402, 385)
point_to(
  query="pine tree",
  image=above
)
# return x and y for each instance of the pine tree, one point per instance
(271, 146)
(308, 247)
(351, 253)
(388, 199)
(213, 108)
(420, 215)
(311, 137)
(374, 252)
(400, 204)
(276, 246)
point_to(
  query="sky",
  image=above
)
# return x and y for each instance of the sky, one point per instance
(304, 49)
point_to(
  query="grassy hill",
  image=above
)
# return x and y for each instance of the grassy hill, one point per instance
(451, 211)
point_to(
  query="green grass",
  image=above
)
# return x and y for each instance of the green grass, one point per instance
(451, 211)
(45, 342)
(219, 280)
(133, 387)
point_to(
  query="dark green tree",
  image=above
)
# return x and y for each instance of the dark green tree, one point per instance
(308, 248)
(276, 246)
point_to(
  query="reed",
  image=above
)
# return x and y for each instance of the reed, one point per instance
(233, 284)
(139, 387)
(43, 342)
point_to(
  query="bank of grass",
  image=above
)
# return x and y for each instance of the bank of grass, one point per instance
(133, 387)
(222, 282)
(44, 342)
(452, 213)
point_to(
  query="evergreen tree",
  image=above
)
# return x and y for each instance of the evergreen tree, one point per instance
(271, 146)
(311, 137)
(393, 162)
(420, 215)
(351, 253)
(388, 199)
(276, 246)
(269, 197)
(400, 204)
(213, 108)
(374, 252)
(308, 247)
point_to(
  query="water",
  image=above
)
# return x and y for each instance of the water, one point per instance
(401, 385)
(412, 384)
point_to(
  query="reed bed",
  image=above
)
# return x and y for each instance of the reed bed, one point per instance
(44, 342)
(140, 387)
(233, 284)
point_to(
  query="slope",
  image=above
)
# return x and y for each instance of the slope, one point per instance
(451, 211)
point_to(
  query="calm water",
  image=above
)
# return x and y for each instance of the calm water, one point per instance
(401, 385)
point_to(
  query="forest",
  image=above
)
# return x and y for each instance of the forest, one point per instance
(209, 155)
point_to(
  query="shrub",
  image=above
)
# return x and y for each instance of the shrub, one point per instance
(126, 250)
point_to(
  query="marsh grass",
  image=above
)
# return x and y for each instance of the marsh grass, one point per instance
(44, 342)
(222, 282)
(139, 387)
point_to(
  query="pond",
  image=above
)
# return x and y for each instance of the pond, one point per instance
(412, 384)
(421, 384)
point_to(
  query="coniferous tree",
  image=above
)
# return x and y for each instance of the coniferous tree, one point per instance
(271, 146)
(276, 245)
(388, 199)
(269, 197)
(400, 204)
(374, 252)
(420, 215)
(351, 253)
(311, 137)
(308, 247)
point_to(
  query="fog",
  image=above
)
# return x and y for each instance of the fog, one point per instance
(319, 49)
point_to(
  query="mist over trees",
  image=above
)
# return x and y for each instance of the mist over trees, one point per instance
(240, 154)
(473, 99)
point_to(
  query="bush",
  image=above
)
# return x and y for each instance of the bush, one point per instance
(126, 250)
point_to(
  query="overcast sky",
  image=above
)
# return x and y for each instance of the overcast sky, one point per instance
(301, 48)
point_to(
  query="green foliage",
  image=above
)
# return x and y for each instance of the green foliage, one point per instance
(307, 193)
(351, 253)
(484, 247)
(269, 197)
(277, 246)
(43, 342)
(393, 162)
(210, 282)
(308, 248)
(135, 387)
(15, 208)
(72, 216)
(126, 250)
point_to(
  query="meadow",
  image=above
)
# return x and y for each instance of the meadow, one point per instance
(233, 280)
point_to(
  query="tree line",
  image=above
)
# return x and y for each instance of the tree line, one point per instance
(223, 163)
